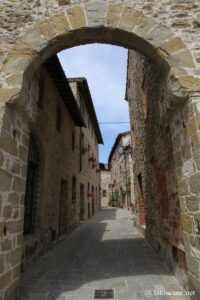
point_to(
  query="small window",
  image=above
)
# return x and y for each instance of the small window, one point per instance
(59, 119)
(73, 189)
(73, 140)
(104, 193)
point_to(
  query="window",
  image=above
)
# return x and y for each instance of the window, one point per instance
(73, 189)
(104, 193)
(31, 187)
(73, 140)
(59, 119)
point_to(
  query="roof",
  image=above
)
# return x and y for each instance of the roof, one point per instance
(104, 167)
(85, 91)
(57, 74)
(117, 140)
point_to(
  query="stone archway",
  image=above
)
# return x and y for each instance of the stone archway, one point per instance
(121, 25)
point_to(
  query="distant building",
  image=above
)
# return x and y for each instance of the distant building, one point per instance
(120, 163)
(105, 184)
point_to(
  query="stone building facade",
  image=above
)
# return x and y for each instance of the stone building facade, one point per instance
(90, 137)
(61, 175)
(65, 189)
(166, 32)
(105, 184)
(157, 162)
(121, 166)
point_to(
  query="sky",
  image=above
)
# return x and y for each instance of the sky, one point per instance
(104, 66)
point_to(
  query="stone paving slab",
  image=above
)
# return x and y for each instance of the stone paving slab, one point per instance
(107, 252)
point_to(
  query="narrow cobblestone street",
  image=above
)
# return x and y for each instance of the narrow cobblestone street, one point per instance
(105, 253)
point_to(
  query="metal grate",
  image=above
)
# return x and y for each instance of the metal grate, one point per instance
(104, 294)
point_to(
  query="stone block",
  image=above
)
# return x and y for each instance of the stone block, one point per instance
(14, 226)
(96, 14)
(46, 29)
(15, 256)
(183, 59)
(193, 203)
(23, 153)
(159, 35)
(145, 25)
(189, 83)
(24, 170)
(8, 143)
(35, 41)
(173, 45)
(187, 223)
(5, 280)
(9, 94)
(15, 80)
(13, 199)
(12, 290)
(7, 212)
(194, 183)
(15, 168)
(76, 16)
(60, 23)
(129, 18)
(18, 184)
(16, 64)
(113, 14)
(5, 182)
(193, 264)
(6, 245)
(16, 272)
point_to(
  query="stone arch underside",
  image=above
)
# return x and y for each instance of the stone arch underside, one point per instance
(113, 24)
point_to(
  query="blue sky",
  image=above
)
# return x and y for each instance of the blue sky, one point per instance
(104, 66)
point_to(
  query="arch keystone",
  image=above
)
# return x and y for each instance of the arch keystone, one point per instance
(113, 14)
(60, 23)
(96, 14)
(76, 16)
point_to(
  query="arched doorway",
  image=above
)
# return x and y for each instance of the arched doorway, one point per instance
(113, 24)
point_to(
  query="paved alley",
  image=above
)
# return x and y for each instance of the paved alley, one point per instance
(105, 253)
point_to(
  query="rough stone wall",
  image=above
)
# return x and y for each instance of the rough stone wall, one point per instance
(161, 157)
(58, 161)
(105, 188)
(182, 16)
(122, 172)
